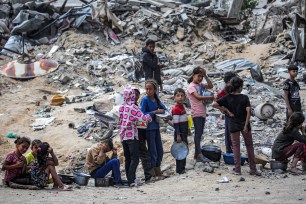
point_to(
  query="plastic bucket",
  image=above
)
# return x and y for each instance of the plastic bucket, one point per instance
(264, 111)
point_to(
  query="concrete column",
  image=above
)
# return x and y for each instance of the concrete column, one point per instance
(235, 9)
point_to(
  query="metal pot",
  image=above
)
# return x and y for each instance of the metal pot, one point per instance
(278, 165)
(81, 178)
(212, 152)
(66, 179)
(179, 150)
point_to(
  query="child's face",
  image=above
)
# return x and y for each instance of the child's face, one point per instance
(22, 148)
(198, 78)
(151, 48)
(34, 149)
(150, 89)
(293, 73)
(179, 97)
(137, 95)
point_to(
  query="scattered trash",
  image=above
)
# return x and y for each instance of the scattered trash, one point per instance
(223, 180)
(11, 135)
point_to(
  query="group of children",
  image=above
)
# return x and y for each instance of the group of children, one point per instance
(146, 144)
(33, 170)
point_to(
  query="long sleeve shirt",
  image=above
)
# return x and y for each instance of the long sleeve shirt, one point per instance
(95, 159)
(180, 120)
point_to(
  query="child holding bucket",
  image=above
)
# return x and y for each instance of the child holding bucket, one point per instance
(180, 123)
(284, 146)
(238, 107)
(198, 107)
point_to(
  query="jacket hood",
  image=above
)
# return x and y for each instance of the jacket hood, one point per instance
(129, 96)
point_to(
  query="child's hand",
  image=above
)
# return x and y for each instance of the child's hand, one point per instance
(114, 151)
(179, 138)
(230, 114)
(159, 111)
(245, 129)
(20, 164)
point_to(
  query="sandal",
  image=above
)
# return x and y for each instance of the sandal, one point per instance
(65, 188)
(295, 171)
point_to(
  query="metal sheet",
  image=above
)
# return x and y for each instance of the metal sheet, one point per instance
(18, 70)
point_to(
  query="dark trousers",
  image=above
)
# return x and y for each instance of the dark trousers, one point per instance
(112, 165)
(144, 154)
(296, 149)
(250, 149)
(155, 147)
(131, 154)
(180, 164)
(199, 123)
(227, 134)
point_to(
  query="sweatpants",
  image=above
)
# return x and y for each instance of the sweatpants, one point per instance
(155, 147)
(131, 154)
(144, 154)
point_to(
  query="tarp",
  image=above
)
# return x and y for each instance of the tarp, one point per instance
(240, 64)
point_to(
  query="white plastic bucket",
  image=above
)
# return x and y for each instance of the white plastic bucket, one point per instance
(264, 111)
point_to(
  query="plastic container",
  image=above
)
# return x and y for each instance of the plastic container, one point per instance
(229, 158)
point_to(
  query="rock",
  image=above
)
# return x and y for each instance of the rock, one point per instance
(180, 34)
(70, 99)
(64, 79)
(267, 193)
(241, 179)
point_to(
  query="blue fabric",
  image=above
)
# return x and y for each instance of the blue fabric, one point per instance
(112, 165)
(147, 107)
(155, 147)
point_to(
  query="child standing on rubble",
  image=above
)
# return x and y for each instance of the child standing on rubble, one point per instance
(129, 115)
(150, 64)
(238, 107)
(198, 107)
(228, 143)
(291, 92)
(150, 104)
(180, 123)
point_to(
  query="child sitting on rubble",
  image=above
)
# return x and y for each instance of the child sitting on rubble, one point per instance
(15, 166)
(238, 107)
(180, 123)
(150, 104)
(99, 164)
(198, 107)
(285, 144)
(129, 115)
(44, 166)
(228, 143)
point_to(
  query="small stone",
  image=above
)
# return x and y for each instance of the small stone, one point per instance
(217, 189)
(242, 179)
(267, 193)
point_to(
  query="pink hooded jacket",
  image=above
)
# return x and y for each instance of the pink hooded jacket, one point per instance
(129, 115)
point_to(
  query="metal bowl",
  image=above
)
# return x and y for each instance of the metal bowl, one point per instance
(278, 165)
(81, 178)
(179, 150)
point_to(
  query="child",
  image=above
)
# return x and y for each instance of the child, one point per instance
(180, 122)
(129, 115)
(31, 156)
(291, 92)
(150, 104)
(198, 107)
(44, 166)
(150, 64)
(144, 154)
(283, 146)
(15, 165)
(238, 107)
(228, 143)
(99, 164)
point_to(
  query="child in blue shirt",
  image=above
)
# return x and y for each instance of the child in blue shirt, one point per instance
(151, 104)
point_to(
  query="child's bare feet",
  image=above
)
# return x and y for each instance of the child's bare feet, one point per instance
(295, 171)
(65, 188)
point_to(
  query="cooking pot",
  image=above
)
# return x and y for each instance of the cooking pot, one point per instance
(278, 165)
(66, 179)
(179, 150)
(81, 178)
(212, 152)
